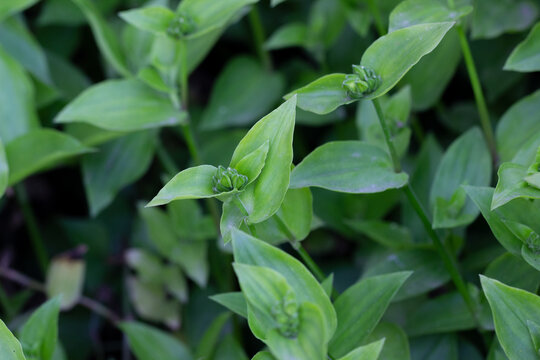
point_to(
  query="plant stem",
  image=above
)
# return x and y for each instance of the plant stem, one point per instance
(478, 94)
(448, 260)
(297, 245)
(184, 80)
(258, 36)
(30, 283)
(387, 136)
(377, 17)
(32, 227)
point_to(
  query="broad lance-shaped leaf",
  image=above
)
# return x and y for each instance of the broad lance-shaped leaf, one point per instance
(466, 162)
(512, 308)
(9, 345)
(207, 345)
(263, 197)
(534, 330)
(155, 19)
(518, 125)
(106, 39)
(396, 342)
(251, 251)
(39, 333)
(122, 105)
(309, 344)
(512, 185)
(390, 57)
(192, 183)
(210, 14)
(11, 7)
(348, 166)
(360, 308)
(115, 165)
(413, 12)
(526, 56)
(39, 150)
(272, 303)
(234, 301)
(366, 352)
(4, 170)
(149, 343)
(17, 109)
(243, 92)
(482, 197)
(493, 18)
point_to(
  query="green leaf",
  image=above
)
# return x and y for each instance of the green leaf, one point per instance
(117, 164)
(522, 276)
(526, 56)
(263, 197)
(189, 254)
(4, 170)
(192, 183)
(466, 162)
(512, 185)
(207, 346)
(519, 124)
(11, 7)
(392, 55)
(348, 166)
(444, 314)
(366, 352)
(413, 12)
(267, 292)
(105, 37)
(360, 308)
(482, 196)
(512, 308)
(243, 92)
(323, 95)
(65, 277)
(289, 35)
(491, 19)
(17, 109)
(435, 347)
(234, 301)
(9, 345)
(230, 349)
(39, 150)
(152, 303)
(310, 344)
(534, 330)
(428, 271)
(19, 42)
(155, 19)
(39, 333)
(149, 343)
(263, 355)
(252, 164)
(396, 344)
(121, 105)
(388, 234)
(430, 77)
(250, 251)
(210, 15)
(189, 222)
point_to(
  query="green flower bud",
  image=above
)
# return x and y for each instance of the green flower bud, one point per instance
(533, 242)
(285, 314)
(228, 179)
(181, 25)
(361, 82)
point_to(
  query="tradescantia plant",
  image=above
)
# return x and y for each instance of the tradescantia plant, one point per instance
(365, 185)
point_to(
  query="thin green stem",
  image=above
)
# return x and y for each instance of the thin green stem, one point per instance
(258, 36)
(184, 76)
(478, 93)
(310, 263)
(32, 227)
(447, 258)
(387, 137)
(377, 17)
